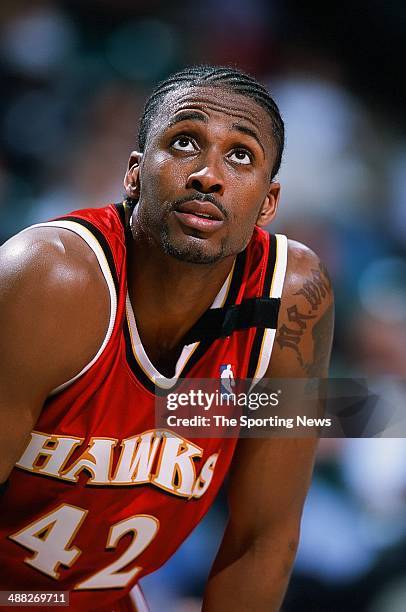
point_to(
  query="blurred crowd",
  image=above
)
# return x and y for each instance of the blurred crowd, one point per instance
(74, 79)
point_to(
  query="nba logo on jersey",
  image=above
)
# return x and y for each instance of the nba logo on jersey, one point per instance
(227, 381)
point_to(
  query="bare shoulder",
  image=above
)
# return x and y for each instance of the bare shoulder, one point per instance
(44, 251)
(302, 264)
(306, 317)
(52, 294)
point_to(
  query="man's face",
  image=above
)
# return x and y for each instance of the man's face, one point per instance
(205, 174)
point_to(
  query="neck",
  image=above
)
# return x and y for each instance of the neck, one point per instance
(168, 296)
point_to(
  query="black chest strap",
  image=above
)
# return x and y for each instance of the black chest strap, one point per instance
(222, 322)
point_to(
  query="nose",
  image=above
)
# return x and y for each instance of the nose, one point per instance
(206, 180)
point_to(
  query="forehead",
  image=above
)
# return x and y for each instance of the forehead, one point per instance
(219, 103)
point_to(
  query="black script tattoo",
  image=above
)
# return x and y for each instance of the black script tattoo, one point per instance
(322, 336)
(314, 290)
(291, 337)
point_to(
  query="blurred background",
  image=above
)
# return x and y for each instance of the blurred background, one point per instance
(74, 77)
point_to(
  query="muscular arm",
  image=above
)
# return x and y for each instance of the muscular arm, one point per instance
(270, 477)
(53, 315)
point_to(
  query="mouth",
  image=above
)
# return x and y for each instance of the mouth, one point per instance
(202, 216)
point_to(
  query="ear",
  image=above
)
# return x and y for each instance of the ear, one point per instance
(269, 206)
(132, 176)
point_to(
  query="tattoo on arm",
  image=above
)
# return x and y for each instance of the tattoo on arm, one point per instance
(291, 337)
(314, 290)
(326, 275)
(321, 333)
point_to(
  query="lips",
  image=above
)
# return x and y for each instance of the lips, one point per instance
(205, 210)
(201, 216)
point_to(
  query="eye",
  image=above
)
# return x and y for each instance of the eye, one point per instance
(240, 156)
(183, 143)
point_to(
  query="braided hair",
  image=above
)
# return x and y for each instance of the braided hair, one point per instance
(230, 79)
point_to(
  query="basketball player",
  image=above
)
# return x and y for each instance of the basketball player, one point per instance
(102, 305)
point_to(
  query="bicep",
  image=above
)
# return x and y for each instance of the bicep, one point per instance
(46, 336)
(24, 377)
(304, 336)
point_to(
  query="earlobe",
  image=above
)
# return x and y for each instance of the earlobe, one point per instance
(269, 206)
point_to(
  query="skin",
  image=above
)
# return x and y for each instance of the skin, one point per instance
(55, 272)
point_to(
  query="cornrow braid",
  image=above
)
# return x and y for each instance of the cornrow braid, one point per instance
(230, 79)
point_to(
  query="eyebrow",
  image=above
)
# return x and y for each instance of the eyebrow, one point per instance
(187, 116)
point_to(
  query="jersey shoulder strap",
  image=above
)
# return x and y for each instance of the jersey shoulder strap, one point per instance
(271, 294)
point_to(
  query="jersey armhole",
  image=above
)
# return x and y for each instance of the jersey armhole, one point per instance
(102, 260)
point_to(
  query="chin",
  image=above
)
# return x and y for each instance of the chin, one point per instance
(194, 250)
